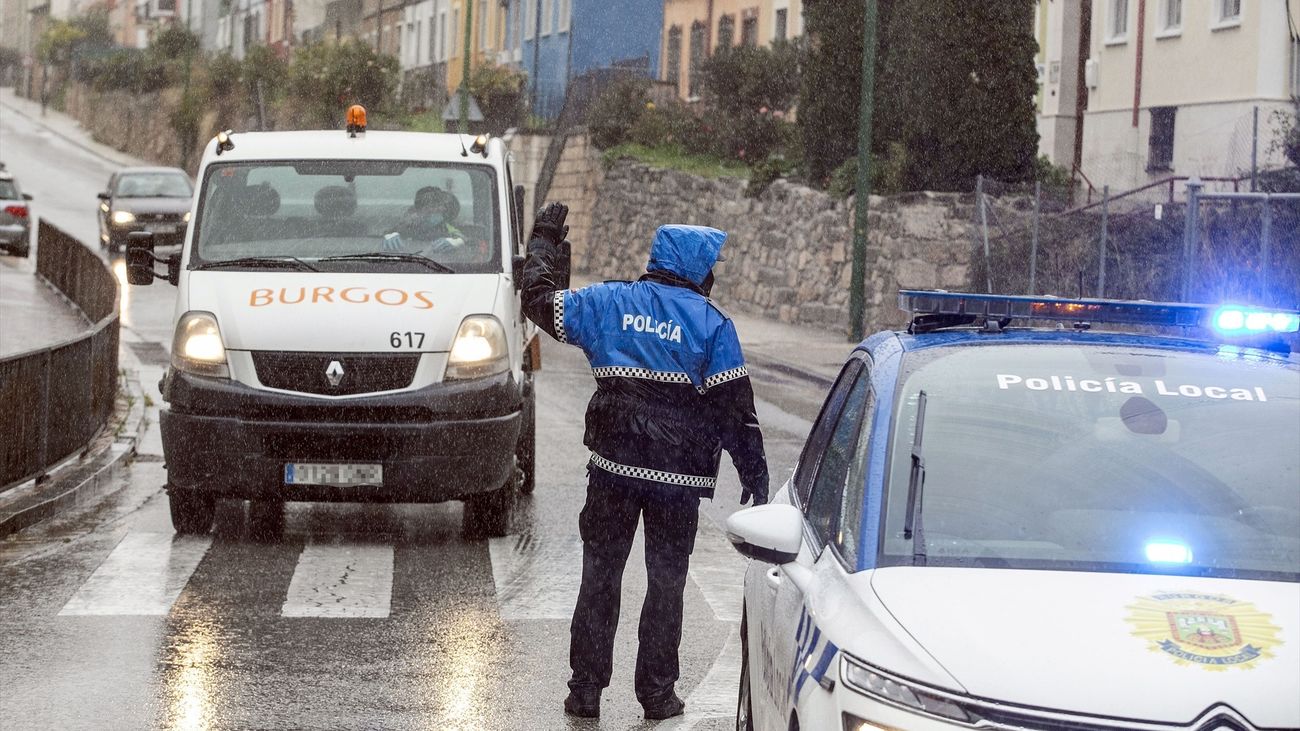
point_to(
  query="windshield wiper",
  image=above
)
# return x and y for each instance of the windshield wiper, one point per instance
(915, 484)
(269, 262)
(381, 256)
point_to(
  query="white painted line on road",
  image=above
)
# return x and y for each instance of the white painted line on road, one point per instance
(536, 577)
(341, 580)
(142, 576)
(718, 571)
(715, 696)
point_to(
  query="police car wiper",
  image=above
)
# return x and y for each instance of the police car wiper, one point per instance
(915, 483)
(382, 256)
(269, 262)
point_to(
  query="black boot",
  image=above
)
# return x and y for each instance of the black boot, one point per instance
(583, 703)
(666, 708)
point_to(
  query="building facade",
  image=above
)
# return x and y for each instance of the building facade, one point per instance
(555, 41)
(1174, 87)
(693, 30)
(1062, 41)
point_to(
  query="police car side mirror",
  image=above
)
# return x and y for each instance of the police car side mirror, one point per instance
(768, 533)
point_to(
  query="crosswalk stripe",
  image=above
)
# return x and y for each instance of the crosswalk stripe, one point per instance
(142, 576)
(341, 580)
(535, 577)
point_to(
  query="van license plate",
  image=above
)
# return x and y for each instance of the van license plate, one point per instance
(161, 228)
(334, 475)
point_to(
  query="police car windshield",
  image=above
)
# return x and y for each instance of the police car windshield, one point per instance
(1101, 458)
(334, 213)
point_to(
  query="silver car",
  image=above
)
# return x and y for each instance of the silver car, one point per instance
(15, 216)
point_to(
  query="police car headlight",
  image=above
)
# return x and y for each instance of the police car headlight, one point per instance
(896, 692)
(198, 348)
(123, 218)
(479, 349)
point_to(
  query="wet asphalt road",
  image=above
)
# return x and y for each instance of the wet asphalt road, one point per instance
(109, 621)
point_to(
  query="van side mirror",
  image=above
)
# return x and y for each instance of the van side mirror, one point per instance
(140, 261)
(103, 195)
(517, 271)
(768, 533)
(27, 196)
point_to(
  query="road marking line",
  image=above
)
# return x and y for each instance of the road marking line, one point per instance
(715, 696)
(342, 580)
(536, 577)
(719, 572)
(142, 576)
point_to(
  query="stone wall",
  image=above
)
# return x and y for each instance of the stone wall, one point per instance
(139, 125)
(789, 250)
(578, 180)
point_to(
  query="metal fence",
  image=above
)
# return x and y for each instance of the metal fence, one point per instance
(56, 399)
(1156, 242)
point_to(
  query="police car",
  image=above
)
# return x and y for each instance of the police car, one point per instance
(999, 527)
(348, 326)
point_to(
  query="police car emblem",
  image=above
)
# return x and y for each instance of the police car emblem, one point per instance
(1210, 630)
(334, 372)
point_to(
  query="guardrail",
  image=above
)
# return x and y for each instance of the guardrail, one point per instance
(54, 400)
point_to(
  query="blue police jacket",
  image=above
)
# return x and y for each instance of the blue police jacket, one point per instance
(672, 389)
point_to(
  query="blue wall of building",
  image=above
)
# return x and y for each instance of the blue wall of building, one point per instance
(604, 32)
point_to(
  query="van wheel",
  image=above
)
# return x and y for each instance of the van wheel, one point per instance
(192, 511)
(526, 451)
(488, 515)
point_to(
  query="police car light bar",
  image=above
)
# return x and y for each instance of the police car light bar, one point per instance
(943, 309)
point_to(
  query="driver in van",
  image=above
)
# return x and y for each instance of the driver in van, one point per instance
(432, 217)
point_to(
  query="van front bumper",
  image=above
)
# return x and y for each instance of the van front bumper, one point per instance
(444, 442)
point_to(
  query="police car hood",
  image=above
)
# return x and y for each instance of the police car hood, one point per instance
(687, 251)
(1154, 648)
(339, 312)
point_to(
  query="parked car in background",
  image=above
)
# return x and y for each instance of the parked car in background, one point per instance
(15, 216)
(150, 199)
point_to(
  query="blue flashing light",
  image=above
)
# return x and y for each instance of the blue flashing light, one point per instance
(1234, 320)
(1164, 551)
(937, 308)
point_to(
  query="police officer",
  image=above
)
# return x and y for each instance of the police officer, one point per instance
(672, 391)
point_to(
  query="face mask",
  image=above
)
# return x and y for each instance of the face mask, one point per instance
(435, 219)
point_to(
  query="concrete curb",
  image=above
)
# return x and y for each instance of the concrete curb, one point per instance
(82, 480)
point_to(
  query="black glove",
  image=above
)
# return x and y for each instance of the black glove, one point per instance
(759, 494)
(549, 224)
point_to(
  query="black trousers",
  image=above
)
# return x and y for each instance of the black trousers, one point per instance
(608, 525)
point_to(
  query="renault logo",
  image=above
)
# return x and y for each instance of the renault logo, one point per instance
(334, 372)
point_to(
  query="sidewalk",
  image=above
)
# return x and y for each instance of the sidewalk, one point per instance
(64, 126)
(32, 315)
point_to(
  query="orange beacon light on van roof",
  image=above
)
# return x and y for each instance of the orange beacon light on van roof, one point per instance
(356, 119)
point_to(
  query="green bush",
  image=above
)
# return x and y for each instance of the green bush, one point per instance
(174, 42)
(888, 173)
(223, 75)
(744, 79)
(324, 79)
(500, 94)
(616, 111)
(126, 70)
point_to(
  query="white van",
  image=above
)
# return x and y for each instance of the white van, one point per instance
(348, 327)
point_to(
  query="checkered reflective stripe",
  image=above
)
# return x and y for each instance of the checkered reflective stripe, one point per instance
(723, 377)
(642, 373)
(641, 473)
(558, 309)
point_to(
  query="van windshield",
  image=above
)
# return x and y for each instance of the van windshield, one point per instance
(1101, 458)
(348, 215)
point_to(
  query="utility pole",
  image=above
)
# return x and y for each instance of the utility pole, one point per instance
(857, 286)
(466, 60)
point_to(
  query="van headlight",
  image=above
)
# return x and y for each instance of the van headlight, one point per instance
(122, 218)
(897, 692)
(197, 347)
(479, 349)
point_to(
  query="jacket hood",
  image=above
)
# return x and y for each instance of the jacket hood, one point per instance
(687, 251)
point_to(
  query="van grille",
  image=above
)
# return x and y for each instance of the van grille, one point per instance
(307, 372)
